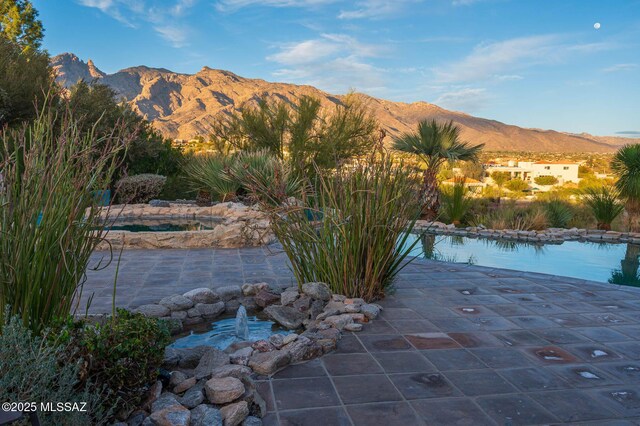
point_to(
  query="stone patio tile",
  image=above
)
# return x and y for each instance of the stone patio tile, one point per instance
(593, 352)
(392, 302)
(366, 388)
(384, 342)
(476, 340)
(551, 355)
(454, 324)
(624, 399)
(493, 323)
(534, 379)
(614, 306)
(519, 338)
(424, 385)
(334, 416)
(431, 341)
(572, 405)
(607, 318)
(378, 326)
(479, 382)
(510, 310)
(403, 362)
(603, 334)
(349, 344)
(630, 350)
(533, 321)
(451, 412)
(430, 312)
(524, 298)
(561, 336)
(383, 414)
(413, 326)
(546, 308)
(626, 371)
(584, 375)
(350, 364)
(398, 314)
(264, 390)
(313, 368)
(304, 393)
(501, 357)
(514, 409)
(453, 359)
(473, 310)
(578, 307)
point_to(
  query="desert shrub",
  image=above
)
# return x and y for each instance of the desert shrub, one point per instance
(268, 179)
(516, 185)
(50, 217)
(546, 180)
(604, 204)
(455, 202)
(353, 232)
(210, 173)
(121, 355)
(559, 213)
(510, 216)
(140, 188)
(35, 369)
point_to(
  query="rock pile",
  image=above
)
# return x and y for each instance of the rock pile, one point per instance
(213, 387)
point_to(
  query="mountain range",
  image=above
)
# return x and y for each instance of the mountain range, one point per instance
(182, 106)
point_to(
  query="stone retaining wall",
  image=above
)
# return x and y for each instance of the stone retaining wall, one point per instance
(547, 236)
(240, 226)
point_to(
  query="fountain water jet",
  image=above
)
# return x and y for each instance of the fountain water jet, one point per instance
(242, 324)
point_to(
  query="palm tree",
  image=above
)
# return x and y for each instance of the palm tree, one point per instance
(626, 166)
(434, 143)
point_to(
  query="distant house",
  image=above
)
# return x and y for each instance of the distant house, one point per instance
(529, 170)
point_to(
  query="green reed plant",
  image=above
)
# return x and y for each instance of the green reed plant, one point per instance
(559, 213)
(352, 233)
(50, 217)
(456, 202)
(605, 205)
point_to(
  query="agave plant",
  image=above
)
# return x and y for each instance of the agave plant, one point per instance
(435, 143)
(605, 205)
(211, 173)
(558, 213)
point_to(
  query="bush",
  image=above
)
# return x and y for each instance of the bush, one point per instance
(140, 188)
(509, 216)
(353, 233)
(456, 202)
(517, 185)
(210, 173)
(122, 355)
(558, 213)
(546, 180)
(604, 204)
(49, 215)
(36, 370)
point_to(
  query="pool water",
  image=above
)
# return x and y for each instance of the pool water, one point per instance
(163, 225)
(221, 333)
(613, 263)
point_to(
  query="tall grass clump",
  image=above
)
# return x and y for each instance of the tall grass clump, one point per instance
(510, 216)
(210, 173)
(558, 213)
(352, 232)
(605, 205)
(456, 202)
(50, 217)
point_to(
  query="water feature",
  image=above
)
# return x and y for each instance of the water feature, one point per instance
(223, 332)
(613, 263)
(242, 324)
(163, 224)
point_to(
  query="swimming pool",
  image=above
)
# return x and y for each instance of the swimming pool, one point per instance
(613, 263)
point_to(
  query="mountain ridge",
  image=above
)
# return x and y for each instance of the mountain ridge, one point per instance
(185, 105)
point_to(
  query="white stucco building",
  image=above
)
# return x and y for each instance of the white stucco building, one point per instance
(529, 170)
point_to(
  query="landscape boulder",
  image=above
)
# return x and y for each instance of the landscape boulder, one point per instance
(319, 291)
(286, 316)
(223, 390)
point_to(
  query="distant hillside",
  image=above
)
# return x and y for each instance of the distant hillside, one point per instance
(184, 105)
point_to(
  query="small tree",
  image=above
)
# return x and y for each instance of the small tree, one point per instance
(517, 185)
(604, 205)
(500, 178)
(546, 180)
(19, 23)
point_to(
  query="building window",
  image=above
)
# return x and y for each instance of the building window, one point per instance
(547, 167)
(565, 168)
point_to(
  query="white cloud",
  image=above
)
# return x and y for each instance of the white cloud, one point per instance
(164, 18)
(465, 99)
(504, 57)
(233, 5)
(620, 67)
(333, 62)
(375, 9)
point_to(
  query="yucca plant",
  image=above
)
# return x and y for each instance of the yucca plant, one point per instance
(626, 166)
(353, 232)
(211, 173)
(605, 205)
(50, 216)
(558, 213)
(456, 201)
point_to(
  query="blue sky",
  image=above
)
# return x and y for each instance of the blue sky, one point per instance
(533, 63)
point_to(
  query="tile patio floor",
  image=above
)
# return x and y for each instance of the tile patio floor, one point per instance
(455, 344)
